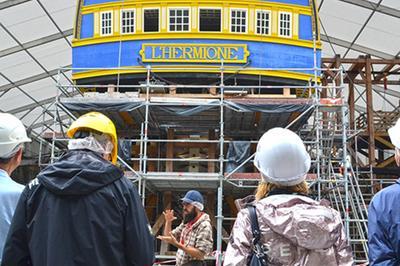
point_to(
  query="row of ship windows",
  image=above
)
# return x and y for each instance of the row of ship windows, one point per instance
(209, 21)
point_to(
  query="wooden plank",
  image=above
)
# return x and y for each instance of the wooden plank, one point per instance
(386, 162)
(351, 100)
(384, 142)
(370, 111)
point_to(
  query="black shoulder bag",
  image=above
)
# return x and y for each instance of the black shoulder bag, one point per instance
(258, 257)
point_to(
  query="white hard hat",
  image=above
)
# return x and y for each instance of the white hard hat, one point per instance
(12, 133)
(394, 134)
(281, 157)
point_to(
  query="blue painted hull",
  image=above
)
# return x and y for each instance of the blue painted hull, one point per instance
(262, 55)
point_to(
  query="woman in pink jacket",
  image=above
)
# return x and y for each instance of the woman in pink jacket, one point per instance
(295, 229)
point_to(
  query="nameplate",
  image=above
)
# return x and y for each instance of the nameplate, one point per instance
(194, 53)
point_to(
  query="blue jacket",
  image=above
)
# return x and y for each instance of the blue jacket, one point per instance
(384, 227)
(79, 211)
(9, 195)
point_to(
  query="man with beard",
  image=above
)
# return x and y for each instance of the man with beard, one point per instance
(194, 233)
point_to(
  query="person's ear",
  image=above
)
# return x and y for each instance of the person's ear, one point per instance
(397, 156)
(18, 156)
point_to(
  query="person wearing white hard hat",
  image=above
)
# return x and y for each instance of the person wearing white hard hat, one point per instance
(283, 226)
(384, 216)
(12, 137)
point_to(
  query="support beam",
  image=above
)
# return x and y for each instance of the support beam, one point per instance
(31, 106)
(370, 112)
(31, 79)
(351, 101)
(34, 43)
(11, 3)
(373, 6)
(355, 47)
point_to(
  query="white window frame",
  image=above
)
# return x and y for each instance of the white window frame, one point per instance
(189, 19)
(230, 20)
(221, 20)
(134, 21)
(269, 21)
(159, 19)
(290, 24)
(111, 23)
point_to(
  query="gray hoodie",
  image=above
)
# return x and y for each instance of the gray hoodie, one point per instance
(296, 230)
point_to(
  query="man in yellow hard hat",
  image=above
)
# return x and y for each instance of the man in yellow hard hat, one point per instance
(81, 210)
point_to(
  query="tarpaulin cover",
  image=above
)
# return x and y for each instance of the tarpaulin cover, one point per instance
(238, 152)
(87, 104)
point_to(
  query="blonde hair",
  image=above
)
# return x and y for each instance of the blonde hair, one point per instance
(264, 188)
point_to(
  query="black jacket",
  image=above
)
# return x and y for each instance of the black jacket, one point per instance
(80, 210)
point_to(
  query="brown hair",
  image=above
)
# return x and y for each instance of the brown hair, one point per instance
(264, 188)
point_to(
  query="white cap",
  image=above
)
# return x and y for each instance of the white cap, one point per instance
(12, 133)
(394, 134)
(281, 157)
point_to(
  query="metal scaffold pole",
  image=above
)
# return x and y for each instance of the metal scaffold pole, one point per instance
(220, 195)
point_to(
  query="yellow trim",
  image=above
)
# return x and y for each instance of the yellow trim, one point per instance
(139, 20)
(194, 19)
(295, 27)
(250, 21)
(282, 74)
(116, 23)
(96, 17)
(274, 23)
(163, 15)
(183, 47)
(185, 35)
(225, 27)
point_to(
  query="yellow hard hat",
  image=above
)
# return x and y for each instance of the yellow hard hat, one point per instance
(98, 122)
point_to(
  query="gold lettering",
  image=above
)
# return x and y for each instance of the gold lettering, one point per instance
(153, 53)
(222, 53)
(198, 52)
(195, 52)
(233, 53)
(164, 52)
(213, 55)
(187, 53)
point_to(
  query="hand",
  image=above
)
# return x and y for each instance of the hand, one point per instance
(169, 215)
(169, 239)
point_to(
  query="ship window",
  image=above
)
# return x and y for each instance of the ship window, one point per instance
(210, 19)
(128, 21)
(106, 23)
(238, 20)
(151, 20)
(285, 24)
(179, 19)
(263, 22)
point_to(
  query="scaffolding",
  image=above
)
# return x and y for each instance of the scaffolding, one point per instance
(206, 120)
